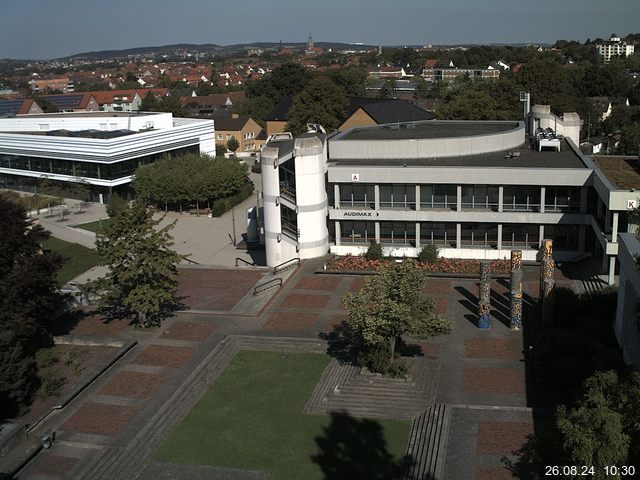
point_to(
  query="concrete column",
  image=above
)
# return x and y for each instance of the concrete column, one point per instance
(500, 199)
(612, 270)
(614, 228)
(540, 235)
(459, 198)
(500, 235)
(417, 234)
(336, 195)
(338, 233)
(543, 192)
(376, 196)
(583, 199)
(458, 235)
(417, 199)
(377, 231)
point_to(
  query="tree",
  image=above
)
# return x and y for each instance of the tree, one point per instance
(391, 304)
(233, 144)
(28, 299)
(149, 103)
(142, 266)
(592, 433)
(321, 101)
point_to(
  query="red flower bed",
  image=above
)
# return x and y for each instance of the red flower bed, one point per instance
(443, 265)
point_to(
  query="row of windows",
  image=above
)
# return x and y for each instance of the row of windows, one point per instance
(76, 168)
(477, 197)
(483, 235)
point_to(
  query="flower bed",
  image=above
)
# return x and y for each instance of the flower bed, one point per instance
(443, 265)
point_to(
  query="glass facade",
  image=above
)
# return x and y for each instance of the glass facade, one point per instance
(439, 196)
(75, 168)
(287, 175)
(520, 236)
(521, 198)
(480, 235)
(565, 237)
(289, 222)
(438, 234)
(480, 197)
(357, 233)
(356, 195)
(562, 199)
(398, 195)
(398, 233)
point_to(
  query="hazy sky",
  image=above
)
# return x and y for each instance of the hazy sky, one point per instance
(55, 28)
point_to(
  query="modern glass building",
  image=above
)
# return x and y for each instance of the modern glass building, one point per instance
(99, 148)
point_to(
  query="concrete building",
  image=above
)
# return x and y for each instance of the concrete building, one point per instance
(101, 149)
(626, 323)
(476, 189)
(614, 47)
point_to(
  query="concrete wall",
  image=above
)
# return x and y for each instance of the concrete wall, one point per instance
(85, 121)
(428, 147)
(626, 320)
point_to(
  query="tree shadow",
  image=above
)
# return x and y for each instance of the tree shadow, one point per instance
(343, 343)
(353, 449)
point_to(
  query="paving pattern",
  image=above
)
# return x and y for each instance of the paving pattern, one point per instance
(466, 395)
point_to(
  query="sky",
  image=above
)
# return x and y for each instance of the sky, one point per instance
(43, 29)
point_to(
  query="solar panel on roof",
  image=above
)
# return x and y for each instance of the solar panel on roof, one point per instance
(10, 106)
(68, 101)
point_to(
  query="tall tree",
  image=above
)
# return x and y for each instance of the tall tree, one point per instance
(233, 144)
(28, 299)
(392, 304)
(321, 101)
(142, 266)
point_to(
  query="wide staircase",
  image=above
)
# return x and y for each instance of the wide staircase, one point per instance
(586, 273)
(427, 444)
(350, 390)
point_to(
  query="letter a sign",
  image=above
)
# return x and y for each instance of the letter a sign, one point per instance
(355, 177)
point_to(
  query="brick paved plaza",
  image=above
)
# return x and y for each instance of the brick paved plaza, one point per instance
(481, 375)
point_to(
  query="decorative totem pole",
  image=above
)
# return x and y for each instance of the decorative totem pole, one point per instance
(516, 290)
(484, 303)
(547, 281)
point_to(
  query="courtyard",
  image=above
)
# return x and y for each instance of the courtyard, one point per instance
(217, 393)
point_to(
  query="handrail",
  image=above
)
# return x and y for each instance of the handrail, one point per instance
(251, 264)
(285, 265)
(191, 261)
(266, 285)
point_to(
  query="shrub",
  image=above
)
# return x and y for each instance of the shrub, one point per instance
(375, 357)
(256, 168)
(223, 205)
(374, 252)
(428, 254)
(51, 385)
(46, 357)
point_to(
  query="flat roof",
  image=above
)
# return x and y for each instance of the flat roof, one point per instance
(87, 114)
(427, 130)
(622, 171)
(528, 158)
(104, 134)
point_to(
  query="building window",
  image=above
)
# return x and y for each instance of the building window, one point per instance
(565, 237)
(398, 233)
(220, 136)
(439, 196)
(355, 195)
(480, 235)
(521, 198)
(228, 137)
(399, 196)
(520, 236)
(480, 197)
(289, 222)
(358, 233)
(562, 199)
(443, 234)
(287, 174)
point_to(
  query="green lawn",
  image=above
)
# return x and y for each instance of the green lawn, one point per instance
(76, 258)
(94, 226)
(252, 418)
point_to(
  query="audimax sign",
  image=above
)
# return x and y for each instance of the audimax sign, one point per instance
(360, 214)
